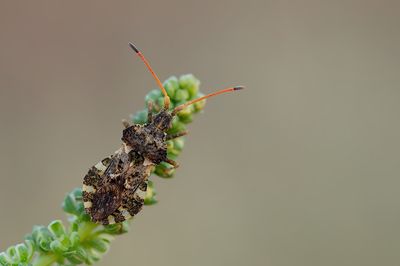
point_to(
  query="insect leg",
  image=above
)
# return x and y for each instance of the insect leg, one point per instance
(125, 123)
(149, 112)
(177, 135)
(172, 162)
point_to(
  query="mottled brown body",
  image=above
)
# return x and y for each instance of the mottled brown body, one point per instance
(114, 189)
(150, 140)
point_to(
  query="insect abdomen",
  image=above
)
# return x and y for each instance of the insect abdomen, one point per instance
(110, 196)
(91, 183)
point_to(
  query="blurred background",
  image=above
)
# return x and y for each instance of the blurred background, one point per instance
(302, 168)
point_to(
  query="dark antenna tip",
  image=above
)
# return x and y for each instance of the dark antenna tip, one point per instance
(134, 47)
(238, 88)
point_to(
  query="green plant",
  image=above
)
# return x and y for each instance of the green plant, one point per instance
(83, 241)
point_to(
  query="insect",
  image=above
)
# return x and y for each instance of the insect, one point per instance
(115, 188)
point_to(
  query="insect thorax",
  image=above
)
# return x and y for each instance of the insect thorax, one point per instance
(162, 120)
(149, 140)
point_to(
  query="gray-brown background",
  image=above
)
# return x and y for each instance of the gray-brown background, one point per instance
(302, 168)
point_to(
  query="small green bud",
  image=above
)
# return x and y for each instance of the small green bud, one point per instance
(117, 229)
(173, 153)
(172, 157)
(140, 117)
(181, 95)
(186, 115)
(159, 104)
(170, 145)
(199, 105)
(171, 150)
(164, 170)
(150, 194)
(177, 126)
(190, 84)
(153, 96)
(179, 143)
(150, 201)
(171, 85)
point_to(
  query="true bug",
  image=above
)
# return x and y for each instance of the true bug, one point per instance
(114, 189)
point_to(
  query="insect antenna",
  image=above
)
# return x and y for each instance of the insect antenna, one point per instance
(183, 106)
(166, 97)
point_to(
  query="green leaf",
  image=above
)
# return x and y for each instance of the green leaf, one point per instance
(4, 259)
(77, 194)
(74, 259)
(42, 237)
(70, 205)
(74, 239)
(99, 245)
(57, 228)
(22, 252)
(12, 253)
(78, 255)
(58, 247)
